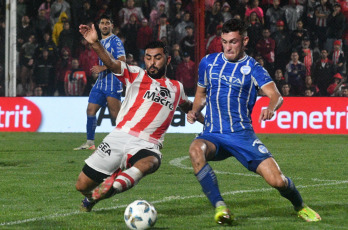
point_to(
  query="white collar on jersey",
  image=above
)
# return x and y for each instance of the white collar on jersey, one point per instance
(240, 60)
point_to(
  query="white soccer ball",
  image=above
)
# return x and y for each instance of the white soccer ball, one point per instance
(140, 214)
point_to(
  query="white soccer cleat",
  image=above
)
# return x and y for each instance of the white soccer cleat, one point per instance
(87, 145)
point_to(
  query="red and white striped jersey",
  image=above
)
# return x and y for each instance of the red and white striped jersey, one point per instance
(75, 82)
(149, 104)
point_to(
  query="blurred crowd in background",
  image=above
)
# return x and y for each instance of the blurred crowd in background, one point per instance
(302, 43)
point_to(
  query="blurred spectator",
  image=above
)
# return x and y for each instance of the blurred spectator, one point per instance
(322, 11)
(293, 13)
(176, 60)
(44, 73)
(309, 18)
(336, 25)
(273, 15)
(213, 18)
(214, 44)
(87, 14)
(156, 13)
(337, 57)
(163, 29)
(21, 9)
(286, 90)
(323, 71)
(144, 36)
(187, 44)
(176, 13)
(279, 79)
(75, 80)
(24, 31)
(41, 25)
(187, 74)
(283, 45)
(331, 89)
(63, 65)
(57, 8)
(126, 12)
(344, 91)
(306, 54)
(129, 58)
(130, 30)
(180, 31)
(103, 10)
(254, 32)
(66, 37)
(46, 5)
(295, 74)
(37, 92)
(253, 6)
(266, 48)
(309, 85)
(260, 60)
(58, 27)
(26, 61)
(298, 34)
(226, 12)
(48, 45)
(87, 59)
(309, 92)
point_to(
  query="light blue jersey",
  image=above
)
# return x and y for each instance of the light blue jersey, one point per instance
(231, 89)
(107, 81)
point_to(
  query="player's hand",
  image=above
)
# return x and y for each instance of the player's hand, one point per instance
(266, 114)
(191, 117)
(89, 33)
(97, 69)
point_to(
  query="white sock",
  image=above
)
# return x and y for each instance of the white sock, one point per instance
(127, 179)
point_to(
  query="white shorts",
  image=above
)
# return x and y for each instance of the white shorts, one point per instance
(115, 151)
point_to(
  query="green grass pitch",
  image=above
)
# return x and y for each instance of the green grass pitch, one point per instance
(38, 172)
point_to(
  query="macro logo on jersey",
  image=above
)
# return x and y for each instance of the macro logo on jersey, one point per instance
(18, 114)
(161, 96)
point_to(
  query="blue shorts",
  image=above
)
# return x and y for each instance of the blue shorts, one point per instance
(98, 96)
(243, 145)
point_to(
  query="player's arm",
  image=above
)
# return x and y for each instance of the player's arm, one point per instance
(91, 36)
(197, 106)
(187, 106)
(276, 100)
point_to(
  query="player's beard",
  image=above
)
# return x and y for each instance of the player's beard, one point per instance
(160, 73)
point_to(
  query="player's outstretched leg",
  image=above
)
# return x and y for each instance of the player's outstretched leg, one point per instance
(90, 126)
(208, 181)
(117, 183)
(87, 205)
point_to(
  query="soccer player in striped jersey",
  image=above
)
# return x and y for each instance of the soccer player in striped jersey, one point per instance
(132, 149)
(227, 85)
(107, 89)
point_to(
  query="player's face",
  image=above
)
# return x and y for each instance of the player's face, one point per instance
(156, 62)
(105, 27)
(234, 45)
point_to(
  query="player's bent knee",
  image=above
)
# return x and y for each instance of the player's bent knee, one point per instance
(146, 161)
(277, 183)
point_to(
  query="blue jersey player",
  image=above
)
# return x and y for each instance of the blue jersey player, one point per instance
(107, 89)
(227, 85)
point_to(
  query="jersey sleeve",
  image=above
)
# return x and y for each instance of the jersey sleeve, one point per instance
(129, 73)
(261, 75)
(118, 48)
(202, 75)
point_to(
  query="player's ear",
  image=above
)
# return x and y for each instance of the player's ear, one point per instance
(169, 58)
(245, 40)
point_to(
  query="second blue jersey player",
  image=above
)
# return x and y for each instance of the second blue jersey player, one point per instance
(107, 89)
(228, 84)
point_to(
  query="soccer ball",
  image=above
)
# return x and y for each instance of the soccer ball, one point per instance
(140, 214)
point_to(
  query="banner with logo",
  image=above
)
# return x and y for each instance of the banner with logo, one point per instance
(316, 115)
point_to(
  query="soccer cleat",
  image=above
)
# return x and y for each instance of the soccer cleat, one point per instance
(223, 216)
(105, 189)
(87, 145)
(308, 214)
(86, 205)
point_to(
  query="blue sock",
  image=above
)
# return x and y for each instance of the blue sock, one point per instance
(292, 194)
(208, 181)
(91, 126)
